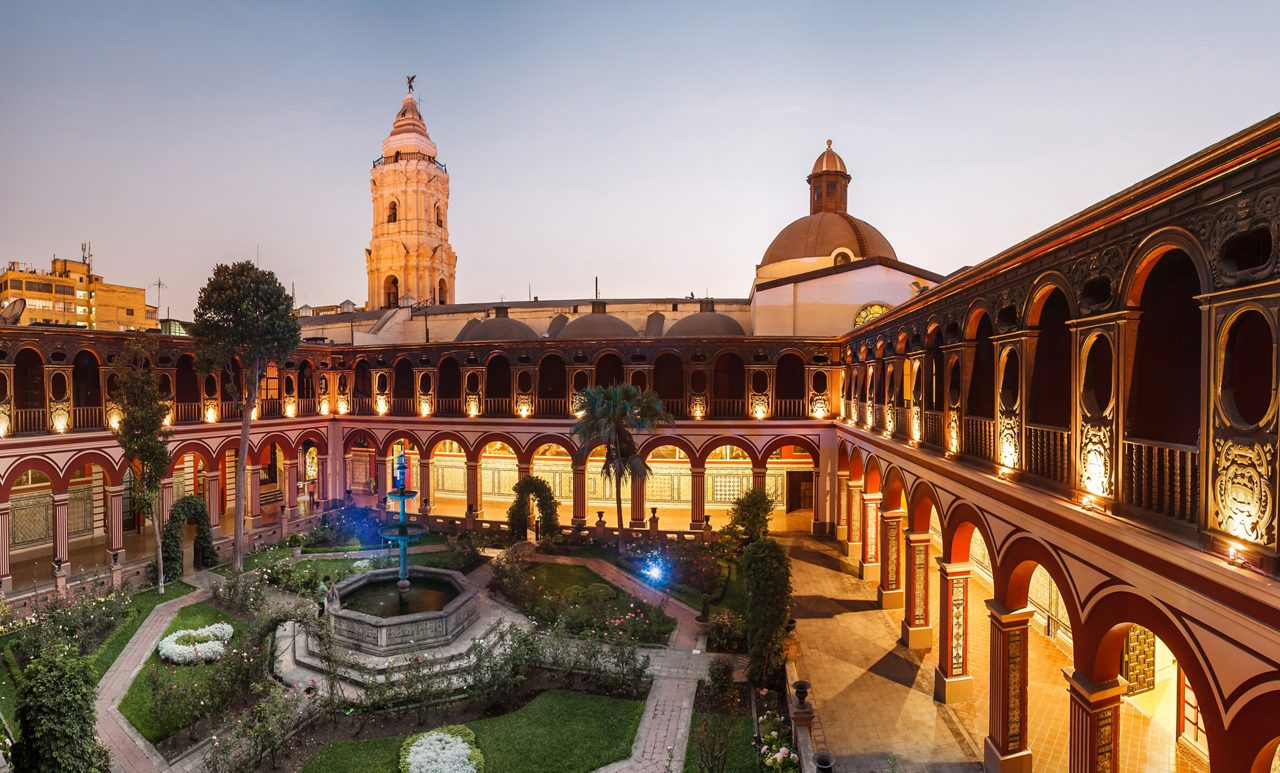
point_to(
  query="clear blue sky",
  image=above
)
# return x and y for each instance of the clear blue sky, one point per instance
(658, 145)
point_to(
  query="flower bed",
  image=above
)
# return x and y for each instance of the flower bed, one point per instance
(777, 752)
(198, 645)
(449, 749)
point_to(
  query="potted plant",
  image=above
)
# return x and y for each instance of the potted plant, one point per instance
(702, 623)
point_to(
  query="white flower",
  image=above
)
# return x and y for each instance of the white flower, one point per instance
(438, 752)
(363, 565)
(195, 645)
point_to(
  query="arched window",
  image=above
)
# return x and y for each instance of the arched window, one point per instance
(391, 290)
(439, 218)
(392, 212)
(442, 295)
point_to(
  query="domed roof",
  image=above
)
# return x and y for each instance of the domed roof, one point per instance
(707, 322)
(498, 328)
(819, 235)
(597, 324)
(829, 161)
(409, 132)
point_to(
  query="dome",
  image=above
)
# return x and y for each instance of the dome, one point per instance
(707, 322)
(829, 161)
(597, 324)
(819, 235)
(499, 327)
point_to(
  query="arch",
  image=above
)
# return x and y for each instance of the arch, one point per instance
(262, 451)
(384, 448)
(708, 446)
(958, 525)
(922, 500)
(473, 454)
(354, 433)
(393, 211)
(893, 490)
(546, 439)
(1049, 387)
(654, 442)
(228, 444)
(856, 472)
(449, 378)
(402, 381)
(442, 292)
(728, 377)
(871, 475)
(316, 437)
(1148, 253)
(38, 464)
(973, 317)
(789, 380)
(86, 380)
(434, 439)
(1012, 576)
(805, 443)
(112, 469)
(28, 379)
(668, 376)
(197, 447)
(1043, 287)
(609, 369)
(982, 390)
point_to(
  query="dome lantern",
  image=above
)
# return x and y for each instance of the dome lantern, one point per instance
(829, 184)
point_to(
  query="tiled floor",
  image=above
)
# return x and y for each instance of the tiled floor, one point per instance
(875, 698)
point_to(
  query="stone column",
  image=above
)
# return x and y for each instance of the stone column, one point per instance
(853, 522)
(579, 494)
(6, 575)
(475, 502)
(253, 490)
(758, 477)
(952, 682)
(697, 498)
(424, 485)
(917, 634)
(166, 501)
(890, 593)
(637, 504)
(61, 538)
(1006, 747)
(324, 487)
(1095, 723)
(213, 497)
(842, 501)
(870, 569)
(115, 533)
(291, 489)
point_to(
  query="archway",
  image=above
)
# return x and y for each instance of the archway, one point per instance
(499, 471)
(86, 391)
(186, 391)
(28, 392)
(448, 484)
(553, 463)
(362, 389)
(361, 457)
(600, 492)
(413, 474)
(553, 387)
(669, 487)
(729, 387)
(609, 370)
(497, 387)
(789, 392)
(449, 399)
(789, 479)
(402, 389)
(668, 382)
(1049, 393)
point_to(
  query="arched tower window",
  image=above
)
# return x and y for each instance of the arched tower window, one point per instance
(391, 291)
(439, 218)
(442, 293)
(392, 212)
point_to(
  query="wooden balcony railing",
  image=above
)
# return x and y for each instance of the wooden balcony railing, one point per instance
(933, 433)
(29, 420)
(1048, 453)
(674, 406)
(86, 418)
(979, 438)
(788, 408)
(270, 408)
(728, 408)
(499, 407)
(229, 411)
(404, 406)
(552, 406)
(877, 418)
(307, 406)
(187, 413)
(449, 406)
(902, 422)
(1162, 478)
(362, 406)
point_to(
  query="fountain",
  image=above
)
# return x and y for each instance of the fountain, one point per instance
(401, 532)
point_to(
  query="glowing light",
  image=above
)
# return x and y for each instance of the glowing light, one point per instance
(1094, 478)
(60, 423)
(820, 412)
(114, 417)
(168, 420)
(324, 406)
(1009, 453)
(424, 407)
(654, 571)
(524, 411)
(698, 411)
(473, 406)
(344, 407)
(211, 414)
(381, 405)
(760, 412)
(290, 408)
(1004, 473)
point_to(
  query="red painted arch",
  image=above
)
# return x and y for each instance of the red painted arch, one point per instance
(538, 441)
(317, 437)
(729, 440)
(1012, 577)
(37, 463)
(112, 470)
(923, 499)
(958, 526)
(474, 453)
(893, 491)
(654, 442)
(261, 453)
(431, 441)
(384, 448)
(805, 443)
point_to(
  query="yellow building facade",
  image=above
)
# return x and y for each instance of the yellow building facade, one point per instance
(69, 293)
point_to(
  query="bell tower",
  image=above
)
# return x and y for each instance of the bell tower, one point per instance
(409, 259)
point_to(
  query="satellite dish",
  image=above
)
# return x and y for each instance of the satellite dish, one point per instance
(10, 314)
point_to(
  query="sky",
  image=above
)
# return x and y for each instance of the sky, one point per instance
(658, 146)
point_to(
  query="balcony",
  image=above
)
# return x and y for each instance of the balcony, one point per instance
(1048, 453)
(1161, 478)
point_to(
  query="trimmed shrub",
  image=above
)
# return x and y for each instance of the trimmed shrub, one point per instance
(443, 750)
(749, 516)
(56, 715)
(518, 515)
(188, 509)
(767, 570)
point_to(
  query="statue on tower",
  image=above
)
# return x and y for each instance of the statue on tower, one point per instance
(411, 79)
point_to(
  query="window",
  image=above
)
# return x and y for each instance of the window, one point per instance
(63, 290)
(128, 312)
(40, 287)
(81, 295)
(391, 212)
(15, 284)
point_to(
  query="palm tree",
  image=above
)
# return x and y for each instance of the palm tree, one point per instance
(608, 416)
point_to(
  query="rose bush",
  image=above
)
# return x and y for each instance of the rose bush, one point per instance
(195, 645)
(449, 749)
(777, 752)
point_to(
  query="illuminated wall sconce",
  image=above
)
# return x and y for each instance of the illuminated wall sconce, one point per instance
(953, 434)
(1095, 453)
(524, 406)
(1004, 473)
(698, 407)
(211, 412)
(60, 423)
(760, 406)
(819, 407)
(323, 408)
(890, 419)
(290, 407)
(424, 406)
(916, 430)
(473, 406)
(114, 417)
(381, 405)
(253, 414)
(344, 405)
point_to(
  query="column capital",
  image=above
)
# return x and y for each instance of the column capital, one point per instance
(61, 498)
(955, 569)
(1009, 617)
(1088, 691)
(111, 490)
(917, 537)
(872, 496)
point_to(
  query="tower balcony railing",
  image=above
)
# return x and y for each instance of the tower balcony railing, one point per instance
(86, 418)
(1161, 478)
(229, 410)
(497, 406)
(933, 433)
(306, 406)
(979, 438)
(675, 406)
(404, 406)
(409, 157)
(449, 406)
(29, 420)
(187, 413)
(362, 406)
(1048, 453)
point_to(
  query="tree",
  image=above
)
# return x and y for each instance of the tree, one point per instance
(56, 714)
(143, 434)
(767, 571)
(244, 317)
(609, 416)
(749, 515)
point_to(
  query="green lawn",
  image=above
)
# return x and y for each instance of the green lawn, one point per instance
(741, 756)
(257, 559)
(557, 578)
(557, 732)
(143, 603)
(137, 704)
(735, 594)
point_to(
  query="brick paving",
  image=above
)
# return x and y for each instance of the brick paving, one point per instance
(874, 697)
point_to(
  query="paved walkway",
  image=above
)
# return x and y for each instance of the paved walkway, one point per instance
(874, 697)
(130, 752)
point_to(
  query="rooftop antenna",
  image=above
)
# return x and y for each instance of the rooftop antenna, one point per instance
(159, 285)
(86, 254)
(597, 288)
(531, 291)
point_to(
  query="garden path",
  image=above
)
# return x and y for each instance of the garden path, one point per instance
(663, 734)
(130, 752)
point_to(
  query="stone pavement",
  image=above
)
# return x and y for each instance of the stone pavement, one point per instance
(130, 752)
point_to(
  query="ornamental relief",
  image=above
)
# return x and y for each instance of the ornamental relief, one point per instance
(1095, 459)
(1010, 424)
(953, 432)
(1244, 506)
(1242, 214)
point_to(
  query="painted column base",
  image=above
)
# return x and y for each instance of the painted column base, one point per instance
(60, 579)
(917, 638)
(890, 599)
(952, 689)
(578, 523)
(995, 762)
(852, 549)
(869, 572)
(695, 525)
(634, 524)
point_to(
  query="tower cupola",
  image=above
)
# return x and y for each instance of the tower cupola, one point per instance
(829, 184)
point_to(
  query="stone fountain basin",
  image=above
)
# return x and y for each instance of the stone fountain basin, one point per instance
(403, 633)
